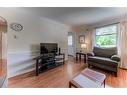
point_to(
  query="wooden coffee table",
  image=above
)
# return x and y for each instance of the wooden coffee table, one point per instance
(88, 79)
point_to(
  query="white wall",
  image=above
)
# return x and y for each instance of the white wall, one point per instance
(89, 36)
(82, 30)
(25, 46)
(55, 32)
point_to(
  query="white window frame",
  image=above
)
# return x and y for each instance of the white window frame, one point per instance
(105, 27)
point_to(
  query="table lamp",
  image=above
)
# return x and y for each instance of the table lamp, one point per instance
(83, 46)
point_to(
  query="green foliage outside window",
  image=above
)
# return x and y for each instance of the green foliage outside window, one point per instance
(106, 36)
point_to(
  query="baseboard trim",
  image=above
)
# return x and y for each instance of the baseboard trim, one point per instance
(71, 55)
(123, 68)
(21, 73)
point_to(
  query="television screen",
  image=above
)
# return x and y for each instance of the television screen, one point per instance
(48, 48)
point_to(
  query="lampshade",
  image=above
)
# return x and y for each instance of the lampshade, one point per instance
(83, 45)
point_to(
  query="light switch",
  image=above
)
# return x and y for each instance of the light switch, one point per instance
(15, 37)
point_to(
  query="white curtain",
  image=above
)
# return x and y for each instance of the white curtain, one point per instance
(90, 39)
(122, 44)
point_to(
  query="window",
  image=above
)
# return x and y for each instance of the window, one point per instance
(70, 41)
(106, 36)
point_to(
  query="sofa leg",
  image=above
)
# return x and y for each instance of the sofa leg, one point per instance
(115, 74)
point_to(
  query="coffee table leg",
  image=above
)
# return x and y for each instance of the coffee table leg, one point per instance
(84, 58)
(76, 57)
(104, 83)
(80, 57)
(69, 84)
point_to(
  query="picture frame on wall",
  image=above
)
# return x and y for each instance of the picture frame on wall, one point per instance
(82, 39)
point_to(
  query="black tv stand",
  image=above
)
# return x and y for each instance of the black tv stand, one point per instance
(48, 61)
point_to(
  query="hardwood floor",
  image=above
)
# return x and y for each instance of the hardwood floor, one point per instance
(60, 76)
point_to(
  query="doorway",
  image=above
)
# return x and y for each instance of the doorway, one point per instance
(71, 44)
(3, 52)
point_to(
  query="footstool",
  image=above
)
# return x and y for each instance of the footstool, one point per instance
(88, 78)
(95, 76)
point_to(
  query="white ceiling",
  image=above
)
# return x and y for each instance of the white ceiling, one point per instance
(77, 15)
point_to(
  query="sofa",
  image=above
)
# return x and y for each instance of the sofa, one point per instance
(104, 58)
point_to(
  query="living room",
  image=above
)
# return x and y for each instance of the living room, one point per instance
(84, 30)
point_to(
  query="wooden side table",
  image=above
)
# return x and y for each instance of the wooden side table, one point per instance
(79, 55)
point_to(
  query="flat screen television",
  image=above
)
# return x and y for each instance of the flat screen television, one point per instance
(48, 48)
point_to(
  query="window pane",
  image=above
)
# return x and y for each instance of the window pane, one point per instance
(106, 36)
(70, 41)
(106, 30)
(106, 40)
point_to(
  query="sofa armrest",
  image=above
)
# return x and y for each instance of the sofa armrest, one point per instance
(90, 54)
(115, 58)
